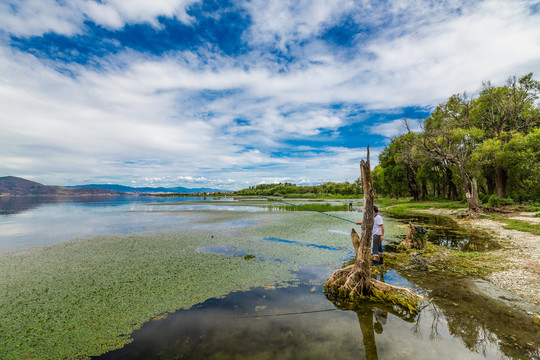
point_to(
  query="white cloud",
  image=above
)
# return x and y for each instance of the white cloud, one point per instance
(142, 116)
(116, 13)
(394, 128)
(278, 22)
(490, 41)
(37, 17)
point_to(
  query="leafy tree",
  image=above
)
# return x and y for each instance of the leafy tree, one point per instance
(449, 136)
(502, 112)
(522, 155)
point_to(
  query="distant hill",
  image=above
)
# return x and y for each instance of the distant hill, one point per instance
(18, 186)
(129, 189)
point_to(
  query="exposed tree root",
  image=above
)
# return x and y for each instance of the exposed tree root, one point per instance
(349, 285)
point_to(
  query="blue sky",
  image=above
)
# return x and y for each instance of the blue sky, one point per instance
(227, 94)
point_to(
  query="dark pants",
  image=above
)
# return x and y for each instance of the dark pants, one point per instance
(377, 246)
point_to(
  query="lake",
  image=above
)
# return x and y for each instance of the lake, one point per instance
(164, 278)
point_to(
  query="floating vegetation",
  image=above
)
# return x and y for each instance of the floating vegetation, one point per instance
(85, 297)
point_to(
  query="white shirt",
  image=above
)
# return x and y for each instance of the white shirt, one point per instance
(377, 223)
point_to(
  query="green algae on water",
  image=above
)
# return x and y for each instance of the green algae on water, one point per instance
(85, 297)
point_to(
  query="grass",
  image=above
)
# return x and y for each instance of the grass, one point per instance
(531, 208)
(309, 207)
(513, 224)
(320, 196)
(408, 208)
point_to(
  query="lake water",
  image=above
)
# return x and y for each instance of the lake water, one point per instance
(27, 221)
(295, 321)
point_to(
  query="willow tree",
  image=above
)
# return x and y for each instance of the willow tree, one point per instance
(354, 282)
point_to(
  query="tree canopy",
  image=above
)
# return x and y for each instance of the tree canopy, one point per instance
(491, 141)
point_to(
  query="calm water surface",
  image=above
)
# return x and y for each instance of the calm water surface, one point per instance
(39, 221)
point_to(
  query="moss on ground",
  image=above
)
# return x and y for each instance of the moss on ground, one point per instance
(441, 259)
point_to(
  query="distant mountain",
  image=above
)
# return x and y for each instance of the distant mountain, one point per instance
(12, 185)
(129, 189)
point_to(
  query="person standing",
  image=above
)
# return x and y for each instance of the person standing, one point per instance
(378, 236)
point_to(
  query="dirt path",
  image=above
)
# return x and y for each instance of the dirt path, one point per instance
(521, 251)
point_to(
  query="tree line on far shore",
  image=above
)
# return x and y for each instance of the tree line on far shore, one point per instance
(484, 149)
(288, 189)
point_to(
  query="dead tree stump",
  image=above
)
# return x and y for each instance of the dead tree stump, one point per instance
(354, 282)
(413, 240)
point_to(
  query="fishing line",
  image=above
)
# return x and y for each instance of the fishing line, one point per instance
(284, 314)
(303, 207)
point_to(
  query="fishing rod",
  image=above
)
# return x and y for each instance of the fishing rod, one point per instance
(306, 208)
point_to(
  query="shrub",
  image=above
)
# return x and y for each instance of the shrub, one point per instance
(497, 201)
(484, 198)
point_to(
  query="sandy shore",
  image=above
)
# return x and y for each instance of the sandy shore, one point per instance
(520, 251)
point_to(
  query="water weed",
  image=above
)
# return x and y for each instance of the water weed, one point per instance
(85, 297)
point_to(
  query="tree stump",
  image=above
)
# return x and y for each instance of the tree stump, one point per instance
(354, 282)
(413, 240)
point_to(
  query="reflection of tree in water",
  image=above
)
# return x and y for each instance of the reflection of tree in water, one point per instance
(436, 315)
(372, 318)
(478, 320)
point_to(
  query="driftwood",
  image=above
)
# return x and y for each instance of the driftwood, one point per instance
(354, 282)
(413, 240)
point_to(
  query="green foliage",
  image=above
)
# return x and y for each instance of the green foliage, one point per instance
(496, 201)
(494, 139)
(522, 159)
(303, 196)
(289, 190)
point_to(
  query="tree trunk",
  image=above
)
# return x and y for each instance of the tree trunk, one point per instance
(411, 183)
(452, 191)
(424, 190)
(472, 193)
(363, 252)
(354, 282)
(501, 178)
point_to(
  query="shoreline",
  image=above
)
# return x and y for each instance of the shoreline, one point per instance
(520, 252)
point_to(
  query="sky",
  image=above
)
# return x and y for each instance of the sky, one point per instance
(233, 93)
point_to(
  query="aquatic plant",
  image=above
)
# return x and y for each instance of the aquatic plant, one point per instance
(83, 298)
